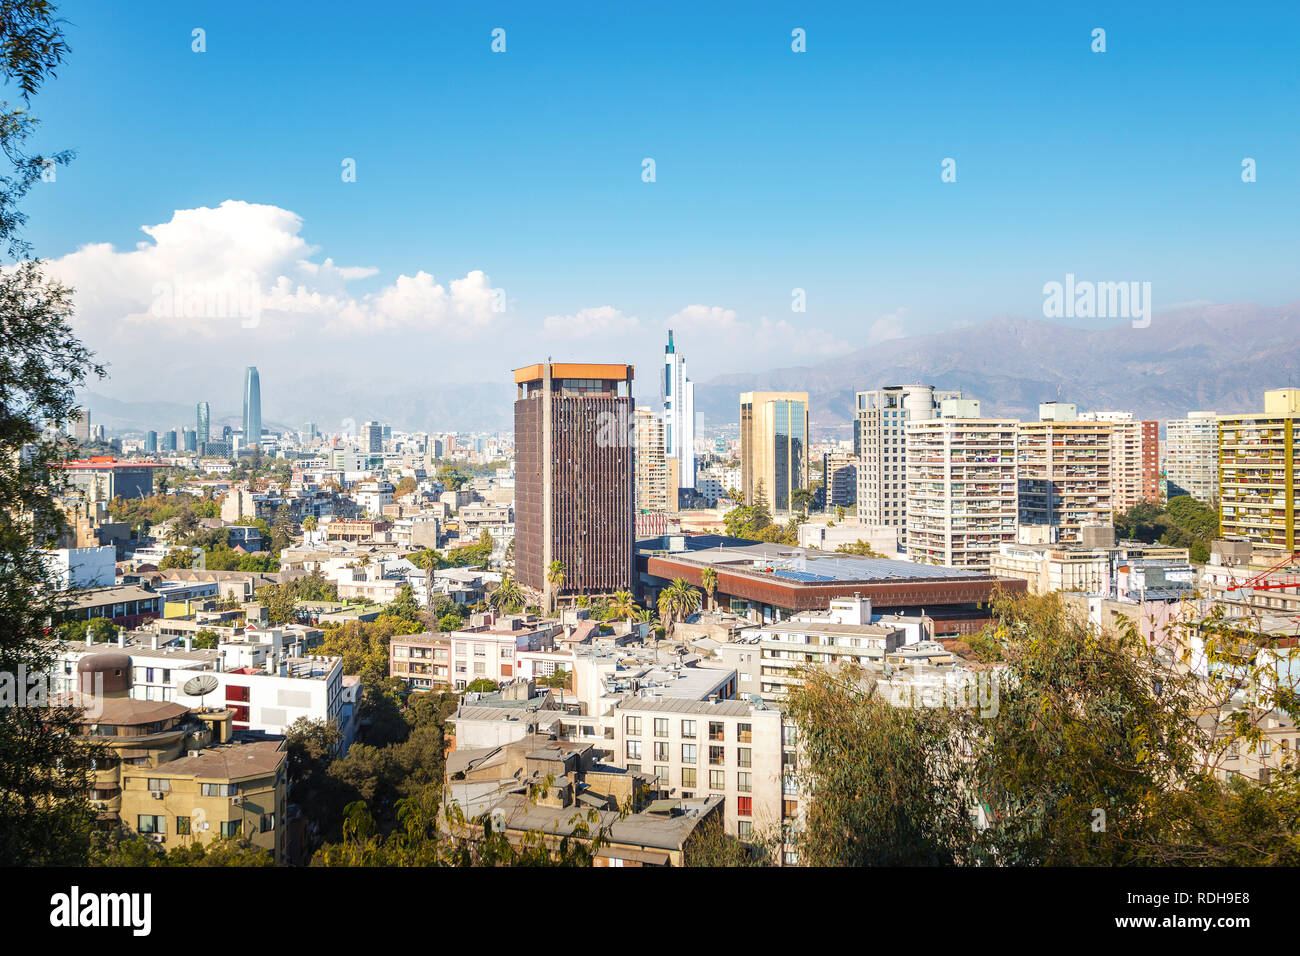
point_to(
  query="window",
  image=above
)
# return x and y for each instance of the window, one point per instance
(632, 726)
(661, 726)
(148, 823)
(183, 826)
(744, 733)
(717, 756)
(231, 828)
(789, 786)
(717, 730)
(744, 757)
(688, 730)
(634, 750)
(661, 776)
(745, 782)
(160, 783)
(688, 753)
(688, 776)
(717, 780)
(745, 806)
(661, 750)
(787, 735)
(744, 829)
(268, 822)
(219, 789)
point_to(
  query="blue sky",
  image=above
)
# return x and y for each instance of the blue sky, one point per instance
(775, 170)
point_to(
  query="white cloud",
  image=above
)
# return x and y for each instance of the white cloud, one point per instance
(601, 320)
(725, 342)
(887, 327)
(210, 273)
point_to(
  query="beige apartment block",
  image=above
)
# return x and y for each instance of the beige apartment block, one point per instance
(961, 490)
(1134, 458)
(1257, 473)
(1064, 470)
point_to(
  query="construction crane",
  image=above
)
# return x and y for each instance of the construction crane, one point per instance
(1259, 582)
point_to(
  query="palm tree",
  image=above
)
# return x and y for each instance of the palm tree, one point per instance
(309, 523)
(709, 578)
(622, 606)
(507, 595)
(677, 602)
(554, 580)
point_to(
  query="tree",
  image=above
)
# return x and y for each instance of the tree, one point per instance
(310, 523)
(709, 578)
(450, 622)
(885, 783)
(554, 580)
(177, 558)
(677, 601)
(801, 500)
(482, 686)
(45, 817)
(622, 606)
(861, 548)
(205, 639)
(507, 597)
(404, 487)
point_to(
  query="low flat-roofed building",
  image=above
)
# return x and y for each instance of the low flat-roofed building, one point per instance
(773, 581)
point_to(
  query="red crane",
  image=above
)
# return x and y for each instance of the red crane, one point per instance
(1257, 582)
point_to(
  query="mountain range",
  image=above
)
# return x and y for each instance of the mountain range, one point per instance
(1213, 357)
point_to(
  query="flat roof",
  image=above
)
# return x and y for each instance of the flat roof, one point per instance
(108, 463)
(228, 761)
(807, 565)
(604, 371)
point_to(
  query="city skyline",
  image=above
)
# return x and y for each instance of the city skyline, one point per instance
(840, 209)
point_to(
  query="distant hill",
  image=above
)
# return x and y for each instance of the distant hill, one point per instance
(1218, 357)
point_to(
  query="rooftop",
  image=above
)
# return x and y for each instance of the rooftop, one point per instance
(229, 761)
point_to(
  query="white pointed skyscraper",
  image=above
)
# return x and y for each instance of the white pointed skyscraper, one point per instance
(679, 415)
(252, 407)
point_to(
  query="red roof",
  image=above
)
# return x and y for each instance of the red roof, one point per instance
(101, 462)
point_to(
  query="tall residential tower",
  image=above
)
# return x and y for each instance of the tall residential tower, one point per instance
(679, 415)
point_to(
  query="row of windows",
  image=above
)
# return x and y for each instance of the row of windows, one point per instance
(717, 755)
(717, 729)
(157, 823)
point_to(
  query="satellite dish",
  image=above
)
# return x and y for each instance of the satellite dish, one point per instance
(199, 686)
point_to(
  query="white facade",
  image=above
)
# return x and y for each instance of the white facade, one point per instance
(1192, 456)
(679, 415)
(83, 567)
(880, 442)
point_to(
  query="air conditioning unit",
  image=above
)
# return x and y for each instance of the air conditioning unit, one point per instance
(99, 804)
(157, 794)
(236, 801)
(157, 838)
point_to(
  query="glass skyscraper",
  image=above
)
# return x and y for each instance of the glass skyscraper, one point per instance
(252, 407)
(204, 418)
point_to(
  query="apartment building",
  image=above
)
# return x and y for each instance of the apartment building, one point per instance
(1064, 476)
(880, 442)
(422, 661)
(238, 789)
(1134, 457)
(490, 646)
(840, 479)
(654, 489)
(1257, 473)
(1192, 456)
(961, 490)
(741, 750)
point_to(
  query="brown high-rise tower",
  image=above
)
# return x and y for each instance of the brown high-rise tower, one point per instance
(573, 476)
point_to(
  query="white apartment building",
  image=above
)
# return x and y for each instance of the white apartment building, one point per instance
(741, 750)
(372, 496)
(961, 490)
(880, 444)
(490, 646)
(1192, 456)
(679, 415)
